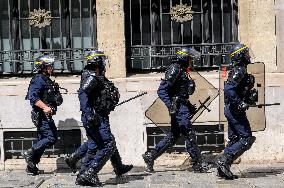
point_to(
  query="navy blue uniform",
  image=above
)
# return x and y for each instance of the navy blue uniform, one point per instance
(239, 130)
(174, 91)
(41, 88)
(177, 84)
(98, 97)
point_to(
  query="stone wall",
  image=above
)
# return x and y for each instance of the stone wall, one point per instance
(110, 35)
(257, 30)
(128, 122)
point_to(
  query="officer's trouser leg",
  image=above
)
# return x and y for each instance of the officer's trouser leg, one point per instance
(106, 146)
(47, 136)
(168, 141)
(239, 127)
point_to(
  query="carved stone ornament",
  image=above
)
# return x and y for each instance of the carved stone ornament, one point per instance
(181, 13)
(40, 18)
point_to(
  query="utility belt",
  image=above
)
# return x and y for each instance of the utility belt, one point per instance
(38, 115)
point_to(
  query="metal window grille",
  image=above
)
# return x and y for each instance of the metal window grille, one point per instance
(152, 37)
(70, 35)
(210, 138)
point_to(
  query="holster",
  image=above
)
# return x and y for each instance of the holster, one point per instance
(175, 105)
(35, 118)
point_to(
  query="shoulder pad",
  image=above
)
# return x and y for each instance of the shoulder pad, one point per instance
(89, 80)
(237, 74)
(172, 72)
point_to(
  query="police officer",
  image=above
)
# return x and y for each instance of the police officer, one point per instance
(44, 97)
(174, 91)
(238, 96)
(98, 97)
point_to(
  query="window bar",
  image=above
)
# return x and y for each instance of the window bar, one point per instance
(50, 30)
(141, 51)
(151, 22)
(161, 32)
(161, 25)
(130, 12)
(30, 29)
(19, 37)
(212, 33)
(222, 23)
(10, 29)
(171, 4)
(202, 31)
(81, 24)
(91, 25)
(60, 22)
(140, 5)
(19, 25)
(94, 23)
(151, 29)
(181, 27)
(201, 21)
(232, 20)
(191, 25)
(70, 24)
(222, 14)
(212, 21)
(40, 31)
(10, 35)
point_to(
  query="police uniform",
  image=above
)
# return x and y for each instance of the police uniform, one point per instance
(238, 95)
(42, 88)
(98, 97)
(174, 91)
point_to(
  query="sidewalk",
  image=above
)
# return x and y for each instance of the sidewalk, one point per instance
(250, 175)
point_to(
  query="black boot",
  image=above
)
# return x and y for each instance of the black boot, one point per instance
(123, 169)
(34, 171)
(31, 166)
(119, 168)
(223, 166)
(71, 161)
(149, 158)
(200, 167)
(88, 178)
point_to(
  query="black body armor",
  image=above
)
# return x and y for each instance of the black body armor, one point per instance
(182, 85)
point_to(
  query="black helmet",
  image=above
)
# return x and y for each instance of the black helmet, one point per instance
(96, 57)
(187, 55)
(43, 61)
(238, 54)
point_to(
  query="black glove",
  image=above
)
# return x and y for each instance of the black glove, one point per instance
(93, 119)
(173, 108)
(243, 106)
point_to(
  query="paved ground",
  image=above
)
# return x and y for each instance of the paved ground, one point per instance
(252, 175)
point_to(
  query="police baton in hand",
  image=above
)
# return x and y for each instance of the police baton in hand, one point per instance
(261, 105)
(127, 100)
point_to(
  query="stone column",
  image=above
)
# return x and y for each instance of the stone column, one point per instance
(110, 35)
(257, 29)
(279, 5)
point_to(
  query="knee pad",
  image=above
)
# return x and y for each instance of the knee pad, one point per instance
(247, 142)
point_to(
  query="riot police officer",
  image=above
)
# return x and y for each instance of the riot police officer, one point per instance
(44, 97)
(238, 95)
(174, 91)
(98, 97)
